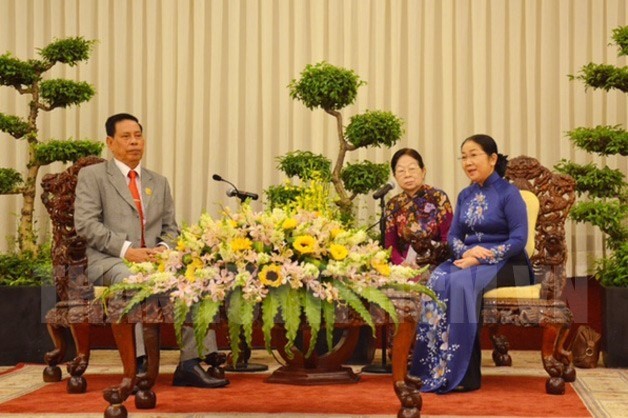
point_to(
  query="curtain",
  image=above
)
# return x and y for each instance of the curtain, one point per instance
(208, 80)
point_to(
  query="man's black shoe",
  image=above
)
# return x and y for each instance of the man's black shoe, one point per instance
(196, 376)
(216, 359)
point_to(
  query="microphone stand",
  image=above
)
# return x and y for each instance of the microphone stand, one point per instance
(244, 365)
(384, 367)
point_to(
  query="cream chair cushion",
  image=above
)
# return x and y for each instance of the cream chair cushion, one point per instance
(532, 206)
(515, 292)
(522, 292)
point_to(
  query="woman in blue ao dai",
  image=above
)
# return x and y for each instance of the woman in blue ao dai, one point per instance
(488, 237)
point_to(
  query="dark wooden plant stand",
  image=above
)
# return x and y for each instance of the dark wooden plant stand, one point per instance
(327, 368)
(316, 369)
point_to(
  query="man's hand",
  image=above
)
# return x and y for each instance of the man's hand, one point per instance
(156, 251)
(478, 252)
(466, 262)
(140, 255)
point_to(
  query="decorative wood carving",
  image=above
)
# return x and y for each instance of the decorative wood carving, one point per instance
(74, 291)
(556, 194)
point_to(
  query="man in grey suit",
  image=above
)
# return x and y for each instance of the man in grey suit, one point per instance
(119, 228)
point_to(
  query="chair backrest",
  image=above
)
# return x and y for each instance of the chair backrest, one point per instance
(556, 195)
(532, 209)
(68, 249)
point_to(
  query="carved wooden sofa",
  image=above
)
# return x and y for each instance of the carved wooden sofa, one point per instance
(538, 305)
(78, 310)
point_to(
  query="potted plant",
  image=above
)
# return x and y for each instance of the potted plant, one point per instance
(26, 293)
(606, 204)
(26, 270)
(332, 88)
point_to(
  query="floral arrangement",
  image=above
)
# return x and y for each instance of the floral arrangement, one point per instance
(294, 263)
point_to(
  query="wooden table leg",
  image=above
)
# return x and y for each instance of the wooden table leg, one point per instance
(52, 372)
(406, 387)
(116, 395)
(145, 398)
(76, 368)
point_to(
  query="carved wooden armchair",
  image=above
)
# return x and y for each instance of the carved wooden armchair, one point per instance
(74, 309)
(539, 305)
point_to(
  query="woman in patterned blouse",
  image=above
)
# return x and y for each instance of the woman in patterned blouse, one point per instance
(488, 237)
(417, 219)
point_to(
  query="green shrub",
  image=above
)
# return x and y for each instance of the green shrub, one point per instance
(326, 86)
(26, 268)
(603, 190)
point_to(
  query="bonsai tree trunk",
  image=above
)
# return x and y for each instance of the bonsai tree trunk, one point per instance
(27, 239)
(344, 201)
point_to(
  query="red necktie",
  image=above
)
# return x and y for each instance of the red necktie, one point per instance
(136, 198)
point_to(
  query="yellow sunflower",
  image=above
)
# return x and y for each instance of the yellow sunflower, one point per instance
(381, 268)
(338, 252)
(271, 275)
(304, 244)
(196, 264)
(289, 223)
(241, 244)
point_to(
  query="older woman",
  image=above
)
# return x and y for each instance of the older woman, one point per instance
(418, 218)
(488, 237)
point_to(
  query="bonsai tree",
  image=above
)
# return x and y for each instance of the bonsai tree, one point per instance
(26, 77)
(332, 88)
(605, 202)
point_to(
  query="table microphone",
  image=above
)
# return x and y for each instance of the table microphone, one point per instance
(242, 195)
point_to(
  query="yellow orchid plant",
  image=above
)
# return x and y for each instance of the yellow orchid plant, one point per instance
(293, 263)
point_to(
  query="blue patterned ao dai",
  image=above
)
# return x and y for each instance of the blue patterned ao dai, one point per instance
(493, 216)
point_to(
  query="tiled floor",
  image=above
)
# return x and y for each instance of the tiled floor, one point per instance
(604, 391)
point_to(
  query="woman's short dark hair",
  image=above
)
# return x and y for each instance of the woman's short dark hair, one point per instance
(410, 153)
(489, 146)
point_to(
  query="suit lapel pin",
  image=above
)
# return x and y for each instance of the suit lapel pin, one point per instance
(148, 191)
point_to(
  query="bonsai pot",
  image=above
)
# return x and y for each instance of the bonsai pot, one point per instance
(615, 327)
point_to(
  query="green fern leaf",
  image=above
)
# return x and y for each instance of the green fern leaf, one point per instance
(114, 290)
(140, 296)
(312, 309)
(246, 315)
(289, 301)
(180, 314)
(203, 314)
(377, 297)
(418, 289)
(329, 316)
(356, 303)
(270, 307)
(234, 310)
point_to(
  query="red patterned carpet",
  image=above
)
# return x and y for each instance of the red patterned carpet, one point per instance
(373, 395)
